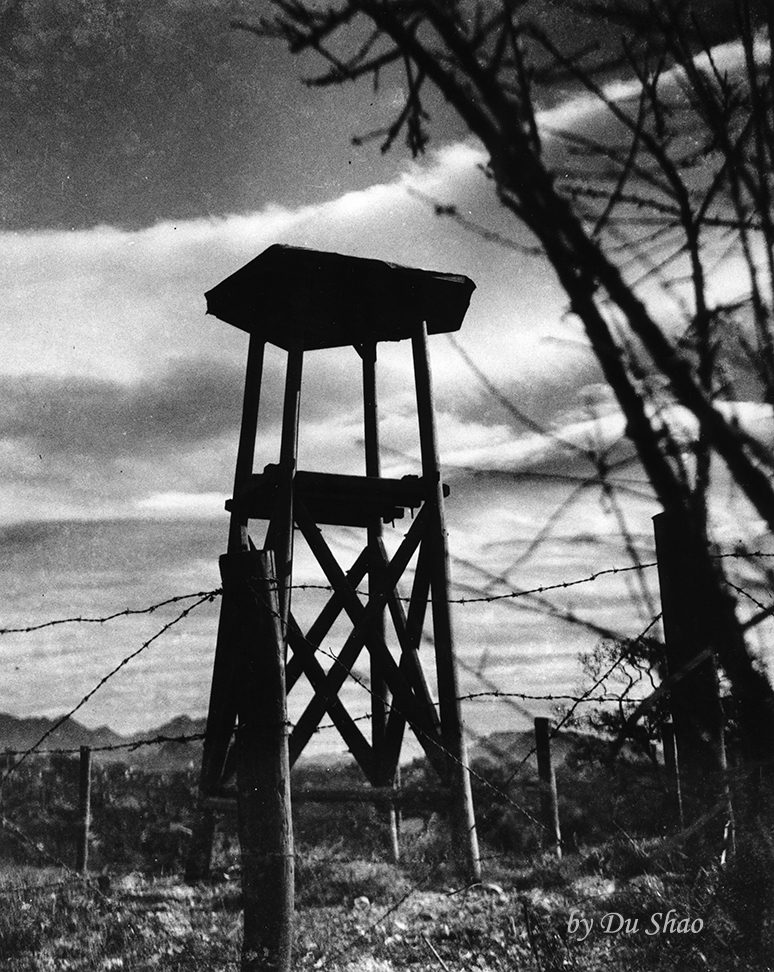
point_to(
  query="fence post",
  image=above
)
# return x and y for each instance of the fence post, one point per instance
(263, 767)
(84, 811)
(672, 771)
(549, 802)
(697, 713)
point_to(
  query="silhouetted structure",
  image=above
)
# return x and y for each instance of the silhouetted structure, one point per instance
(301, 300)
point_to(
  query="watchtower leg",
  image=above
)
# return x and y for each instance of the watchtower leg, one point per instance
(221, 716)
(282, 521)
(446, 666)
(379, 692)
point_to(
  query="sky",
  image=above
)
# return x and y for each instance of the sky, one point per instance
(149, 151)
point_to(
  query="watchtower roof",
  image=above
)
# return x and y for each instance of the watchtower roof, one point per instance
(294, 296)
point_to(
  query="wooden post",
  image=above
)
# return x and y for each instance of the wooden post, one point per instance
(379, 691)
(672, 770)
(84, 809)
(283, 520)
(466, 838)
(549, 802)
(263, 767)
(696, 709)
(5, 788)
(222, 709)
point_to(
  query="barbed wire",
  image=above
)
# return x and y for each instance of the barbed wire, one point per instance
(126, 612)
(208, 596)
(446, 752)
(507, 595)
(599, 681)
(492, 695)
(158, 740)
(129, 746)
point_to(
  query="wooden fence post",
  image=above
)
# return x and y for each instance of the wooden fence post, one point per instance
(672, 770)
(695, 704)
(263, 767)
(8, 761)
(84, 811)
(549, 802)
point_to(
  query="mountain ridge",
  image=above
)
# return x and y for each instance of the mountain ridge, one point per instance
(20, 734)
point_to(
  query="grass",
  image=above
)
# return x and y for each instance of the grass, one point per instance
(359, 915)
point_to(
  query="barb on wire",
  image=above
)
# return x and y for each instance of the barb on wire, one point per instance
(508, 595)
(537, 698)
(473, 599)
(208, 596)
(127, 612)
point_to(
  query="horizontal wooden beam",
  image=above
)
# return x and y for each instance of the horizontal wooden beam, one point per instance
(333, 498)
(378, 795)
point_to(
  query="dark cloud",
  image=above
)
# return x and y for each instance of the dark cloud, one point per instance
(189, 404)
(128, 113)
(63, 549)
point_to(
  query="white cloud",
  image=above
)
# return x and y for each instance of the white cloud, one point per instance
(184, 505)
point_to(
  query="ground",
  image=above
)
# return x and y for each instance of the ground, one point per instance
(133, 922)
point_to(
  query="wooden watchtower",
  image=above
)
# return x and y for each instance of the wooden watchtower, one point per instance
(301, 300)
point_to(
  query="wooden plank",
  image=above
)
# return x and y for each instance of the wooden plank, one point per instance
(379, 795)
(360, 617)
(413, 626)
(348, 656)
(326, 618)
(332, 497)
(347, 727)
(221, 717)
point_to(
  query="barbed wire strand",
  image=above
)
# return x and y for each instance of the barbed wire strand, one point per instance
(127, 612)
(599, 681)
(485, 599)
(208, 596)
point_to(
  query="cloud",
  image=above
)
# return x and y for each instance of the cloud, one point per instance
(104, 419)
(121, 408)
(118, 390)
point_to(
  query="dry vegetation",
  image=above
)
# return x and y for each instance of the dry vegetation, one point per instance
(355, 911)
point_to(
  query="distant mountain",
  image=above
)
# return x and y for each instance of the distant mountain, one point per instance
(513, 747)
(18, 735)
